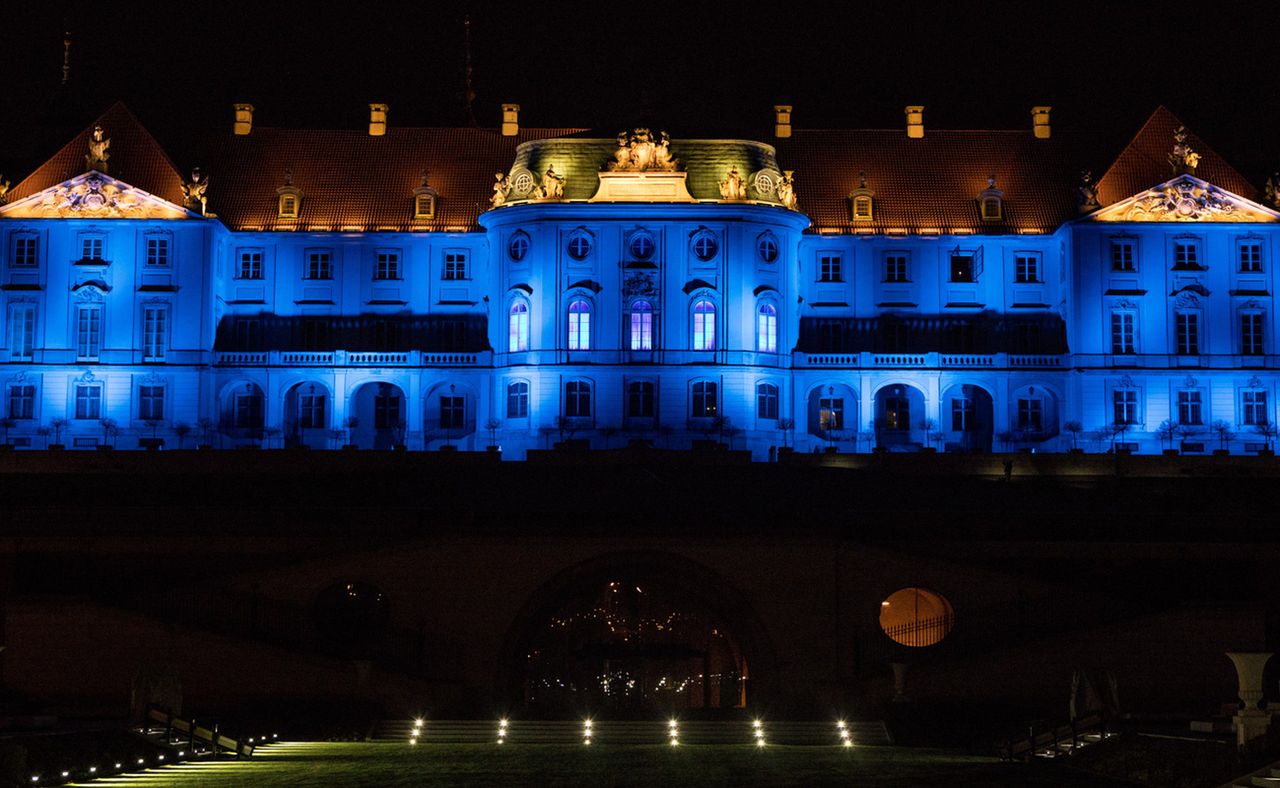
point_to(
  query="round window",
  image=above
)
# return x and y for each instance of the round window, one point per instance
(579, 246)
(764, 183)
(642, 246)
(705, 246)
(522, 183)
(518, 247)
(768, 248)
(916, 617)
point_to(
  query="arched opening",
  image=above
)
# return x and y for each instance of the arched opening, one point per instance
(833, 413)
(241, 416)
(450, 416)
(306, 417)
(967, 418)
(1033, 417)
(899, 414)
(916, 617)
(633, 636)
(377, 416)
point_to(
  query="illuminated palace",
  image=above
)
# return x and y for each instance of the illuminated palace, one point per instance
(900, 289)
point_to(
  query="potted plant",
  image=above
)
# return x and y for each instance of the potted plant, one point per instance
(1168, 431)
(1118, 430)
(182, 430)
(205, 427)
(930, 428)
(349, 423)
(786, 426)
(6, 424)
(109, 430)
(1074, 428)
(492, 425)
(1268, 432)
(43, 431)
(154, 426)
(56, 426)
(1222, 430)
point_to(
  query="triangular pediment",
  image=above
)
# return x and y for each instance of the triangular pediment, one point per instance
(1185, 198)
(94, 195)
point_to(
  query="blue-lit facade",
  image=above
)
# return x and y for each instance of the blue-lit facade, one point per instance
(673, 300)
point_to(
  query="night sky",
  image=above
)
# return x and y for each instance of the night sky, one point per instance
(704, 69)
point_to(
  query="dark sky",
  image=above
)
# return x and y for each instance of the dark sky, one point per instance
(693, 69)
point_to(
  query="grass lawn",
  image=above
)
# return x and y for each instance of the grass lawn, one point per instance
(387, 765)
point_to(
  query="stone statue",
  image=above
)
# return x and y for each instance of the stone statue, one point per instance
(639, 152)
(1087, 193)
(500, 190)
(1271, 190)
(1183, 159)
(733, 187)
(4, 188)
(194, 190)
(662, 156)
(552, 184)
(787, 190)
(96, 158)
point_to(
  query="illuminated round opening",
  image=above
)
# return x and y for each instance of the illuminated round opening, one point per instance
(916, 617)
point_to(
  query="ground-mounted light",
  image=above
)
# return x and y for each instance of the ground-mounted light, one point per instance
(502, 730)
(93, 770)
(141, 761)
(35, 778)
(118, 765)
(673, 731)
(65, 775)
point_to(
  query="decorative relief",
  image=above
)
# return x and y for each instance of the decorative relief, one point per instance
(1187, 300)
(87, 377)
(640, 283)
(4, 188)
(1185, 199)
(1254, 382)
(1125, 382)
(552, 185)
(501, 189)
(639, 151)
(94, 196)
(1190, 381)
(733, 187)
(765, 182)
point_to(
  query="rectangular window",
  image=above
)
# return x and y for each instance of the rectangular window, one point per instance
(311, 411)
(1026, 268)
(157, 251)
(705, 403)
(248, 411)
(250, 264)
(518, 400)
(641, 328)
(452, 412)
(577, 399)
(155, 332)
(766, 401)
(319, 266)
(1250, 257)
(1029, 415)
(1189, 407)
(22, 331)
(831, 413)
(386, 411)
(1186, 254)
(22, 401)
(962, 268)
(1122, 336)
(91, 248)
(248, 333)
(962, 414)
(26, 251)
(89, 401)
(1125, 406)
(387, 266)
(88, 332)
(895, 268)
(640, 399)
(1253, 408)
(1122, 256)
(1188, 331)
(151, 403)
(830, 268)
(455, 264)
(1251, 333)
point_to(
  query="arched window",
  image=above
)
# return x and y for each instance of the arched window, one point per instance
(767, 329)
(767, 401)
(642, 326)
(703, 404)
(517, 400)
(579, 325)
(518, 328)
(641, 399)
(577, 399)
(916, 617)
(704, 325)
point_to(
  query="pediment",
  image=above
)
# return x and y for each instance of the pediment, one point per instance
(94, 195)
(1186, 198)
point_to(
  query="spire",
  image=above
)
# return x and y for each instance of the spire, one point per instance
(468, 92)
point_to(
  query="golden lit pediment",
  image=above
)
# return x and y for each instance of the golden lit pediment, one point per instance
(94, 195)
(1186, 198)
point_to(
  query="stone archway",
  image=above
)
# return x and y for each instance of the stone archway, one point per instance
(377, 413)
(968, 418)
(634, 634)
(899, 413)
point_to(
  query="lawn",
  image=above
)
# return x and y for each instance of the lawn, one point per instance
(383, 765)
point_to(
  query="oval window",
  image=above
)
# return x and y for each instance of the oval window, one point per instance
(579, 246)
(642, 246)
(916, 617)
(705, 246)
(768, 248)
(518, 247)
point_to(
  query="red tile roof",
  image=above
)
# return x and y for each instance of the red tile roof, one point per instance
(134, 157)
(1144, 163)
(349, 179)
(933, 183)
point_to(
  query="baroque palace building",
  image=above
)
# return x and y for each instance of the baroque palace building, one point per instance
(902, 289)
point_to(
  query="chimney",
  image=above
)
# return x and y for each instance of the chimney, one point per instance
(1040, 122)
(915, 122)
(377, 120)
(244, 119)
(782, 120)
(510, 120)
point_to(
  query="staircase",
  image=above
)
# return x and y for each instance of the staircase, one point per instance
(632, 732)
(1267, 775)
(1057, 740)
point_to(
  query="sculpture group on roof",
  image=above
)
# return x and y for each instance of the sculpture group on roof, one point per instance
(640, 152)
(96, 158)
(1183, 159)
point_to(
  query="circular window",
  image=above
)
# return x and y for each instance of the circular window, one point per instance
(768, 248)
(518, 247)
(522, 183)
(642, 246)
(705, 246)
(916, 617)
(579, 246)
(765, 183)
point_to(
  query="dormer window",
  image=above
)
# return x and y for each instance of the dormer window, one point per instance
(862, 208)
(290, 199)
(424, 200)
(288, 206)
(862, 201)
(991, 202)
